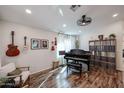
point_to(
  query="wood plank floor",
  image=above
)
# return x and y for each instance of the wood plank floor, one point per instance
(96, 78)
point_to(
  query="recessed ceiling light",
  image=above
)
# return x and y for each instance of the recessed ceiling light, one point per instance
(79, 31)
(115, 15)
(60, 11)
(64, 25)
(28, 11)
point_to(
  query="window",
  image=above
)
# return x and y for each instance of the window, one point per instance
(65, 43)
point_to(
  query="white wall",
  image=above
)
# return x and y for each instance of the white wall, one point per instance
(0, 61)
(36, 59)
(0, 52)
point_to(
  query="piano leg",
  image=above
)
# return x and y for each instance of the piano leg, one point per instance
(67, 69)
(67, 65)
(88, 65)
(80, 70)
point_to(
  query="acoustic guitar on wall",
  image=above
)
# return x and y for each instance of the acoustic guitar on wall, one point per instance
(12, 49)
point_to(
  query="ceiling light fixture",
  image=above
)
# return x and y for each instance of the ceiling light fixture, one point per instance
(28, 11)
(115, 15)
(64, 25)
(79, 31)
(60, 11)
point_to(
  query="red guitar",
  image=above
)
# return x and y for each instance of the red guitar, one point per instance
(12, 49)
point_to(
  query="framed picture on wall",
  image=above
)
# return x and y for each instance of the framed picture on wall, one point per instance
(44, 44)
(35, 44)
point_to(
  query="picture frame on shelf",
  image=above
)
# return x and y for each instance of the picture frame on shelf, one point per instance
(100, 37)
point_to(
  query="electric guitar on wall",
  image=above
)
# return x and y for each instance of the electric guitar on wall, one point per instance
(12, 49)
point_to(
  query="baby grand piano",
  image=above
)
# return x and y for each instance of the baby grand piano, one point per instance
(77, 57)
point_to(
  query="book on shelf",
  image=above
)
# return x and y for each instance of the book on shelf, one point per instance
(111, 54)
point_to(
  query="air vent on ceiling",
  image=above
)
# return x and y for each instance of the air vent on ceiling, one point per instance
(74, 7)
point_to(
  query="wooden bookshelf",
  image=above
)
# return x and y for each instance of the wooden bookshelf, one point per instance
(103, 52)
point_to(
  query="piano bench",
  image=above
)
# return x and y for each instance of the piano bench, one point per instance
(76, 66)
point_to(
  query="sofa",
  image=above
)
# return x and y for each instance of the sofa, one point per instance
(21, 79)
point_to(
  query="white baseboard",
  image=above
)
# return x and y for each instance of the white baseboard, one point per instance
(39, 71)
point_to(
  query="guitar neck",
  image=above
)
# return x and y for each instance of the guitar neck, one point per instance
(12, 33)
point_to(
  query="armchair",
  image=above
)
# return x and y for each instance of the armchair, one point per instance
(21, 79)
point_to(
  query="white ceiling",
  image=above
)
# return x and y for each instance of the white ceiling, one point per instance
(48, 16)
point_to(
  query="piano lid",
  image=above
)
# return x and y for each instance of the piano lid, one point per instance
(78, 53)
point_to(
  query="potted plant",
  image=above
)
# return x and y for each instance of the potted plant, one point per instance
(112, 36)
